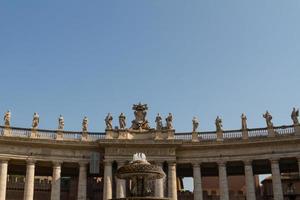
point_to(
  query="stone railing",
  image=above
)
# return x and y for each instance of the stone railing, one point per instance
(188, 136)
(50, 134)
(239, 134)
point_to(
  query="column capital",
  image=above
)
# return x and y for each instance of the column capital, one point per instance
(196, 164)
(82, 164)
(171, 163)
(248, 162)
(274, 160)
(56, 163)
(30, 161)
(107, 162)
(4, 160)
(221, 163)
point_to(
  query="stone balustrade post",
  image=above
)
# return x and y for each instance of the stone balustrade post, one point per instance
(33, 133)
(56, 180)
(121, 184)
(271, 132)
(170, 134)
(108, 134)
(84, 136)
(158, 135)
(220, 135)
(107, 188)
(3, 178)
(159, 185)
(82, 181)
(249, 179)
(29, 180)
(276, 180)
(7, 131)
(223, 181)
(195, 136)
(198, 194)
(297, 129)
(172, 181)
(245, 135)
(59, 135)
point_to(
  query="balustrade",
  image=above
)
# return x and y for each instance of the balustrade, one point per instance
(258, 132)
(208, 136)
(203, 136)
(232, 134)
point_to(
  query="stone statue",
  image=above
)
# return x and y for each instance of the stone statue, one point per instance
(61, 122)
(169, 121)
(122, 121)
(85, 123)
(268, 118)
(158, 121)
(35, 121)
(195, 124)
(219, 124)
(108, 121)
(140, 122)
(244, 121)
(7, 117)
(295, 115)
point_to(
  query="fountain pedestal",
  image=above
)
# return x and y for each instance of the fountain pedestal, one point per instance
(140, 172)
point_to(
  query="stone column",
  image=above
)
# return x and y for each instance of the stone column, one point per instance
(249, 179)
(276, 180)
(172, 181)
(29, 180)
(223, 182)
(107, 188)
(55, 189)
(3, 178)
(81, 194)
(197, 182)
(159, 185)
(121, 185)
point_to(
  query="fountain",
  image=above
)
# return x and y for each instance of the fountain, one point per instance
(139, 172)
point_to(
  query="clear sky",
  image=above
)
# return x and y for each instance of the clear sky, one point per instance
(193, 58)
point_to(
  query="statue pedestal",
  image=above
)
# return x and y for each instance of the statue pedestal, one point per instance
(171, 134)
(271, 132)
(297, 129)
(245, 134)
(84, 136)
(33, 133)
(7, 131)
(59, 135)
(158, 135)
(195, 137)
(219, 136)
(109, 134)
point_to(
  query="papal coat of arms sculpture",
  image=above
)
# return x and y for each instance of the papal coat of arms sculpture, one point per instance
(140, 127)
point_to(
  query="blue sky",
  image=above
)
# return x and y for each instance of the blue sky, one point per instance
(191, 58)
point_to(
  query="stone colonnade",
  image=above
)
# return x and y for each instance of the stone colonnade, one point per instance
(159, 192)
(249, 179)
(121, 185)
(29, 180)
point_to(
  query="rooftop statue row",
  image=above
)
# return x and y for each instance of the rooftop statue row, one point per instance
(268, 117)
(141, 123)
